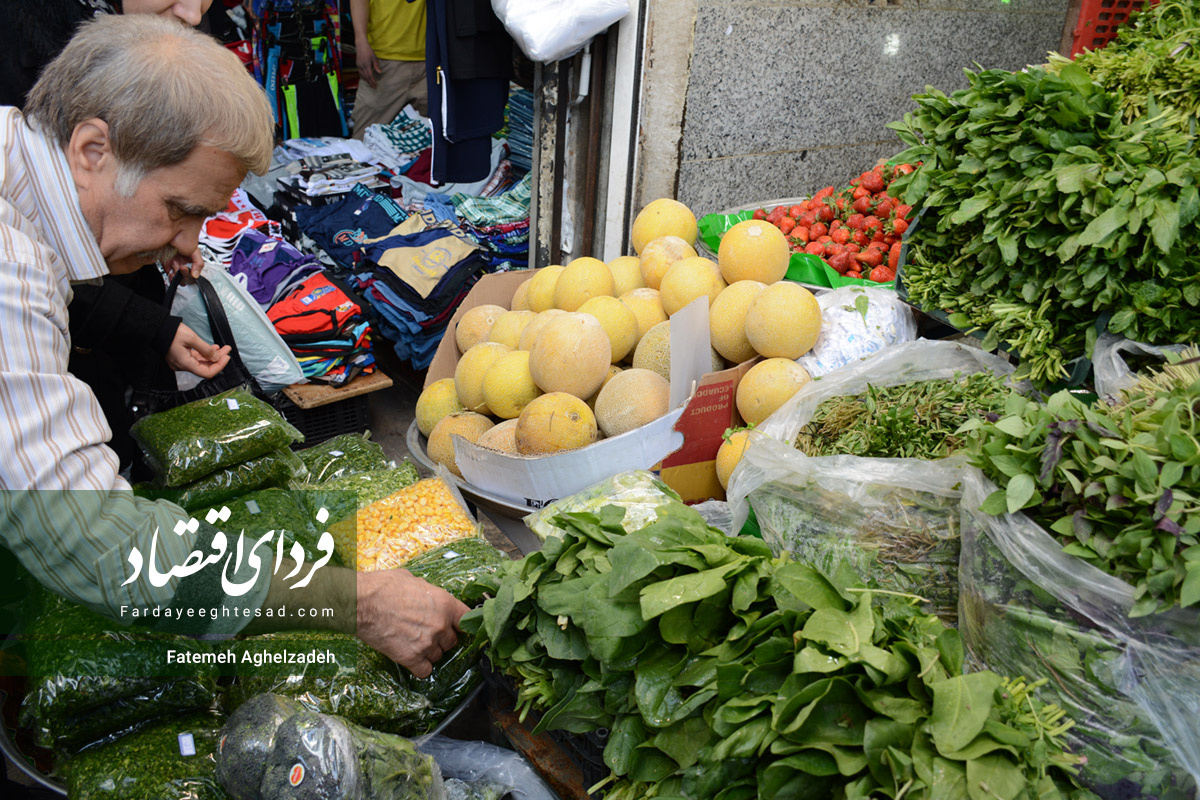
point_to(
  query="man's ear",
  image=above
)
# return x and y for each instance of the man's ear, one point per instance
(89, 152)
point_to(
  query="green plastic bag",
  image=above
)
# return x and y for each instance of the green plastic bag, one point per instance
(190, 441)
(247, 740)
(348, 454)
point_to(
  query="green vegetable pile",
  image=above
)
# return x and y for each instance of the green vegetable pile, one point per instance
(348, 454)
(914, 420)
(1117, 484)
(1045, 217)
(724, 673)
(247, 739)
(1155, 56)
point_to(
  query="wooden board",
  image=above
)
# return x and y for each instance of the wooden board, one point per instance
(314, 395)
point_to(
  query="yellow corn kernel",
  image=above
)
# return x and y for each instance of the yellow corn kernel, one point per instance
(412, 521)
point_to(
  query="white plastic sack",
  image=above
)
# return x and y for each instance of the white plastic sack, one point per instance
(480, 761)
(857, 321)
(265, 355)
(550, 30)
(1110, 371)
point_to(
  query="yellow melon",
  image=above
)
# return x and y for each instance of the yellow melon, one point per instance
(663, 217)
(753, 250)
(571, 354)
(541, 287)
(508, 327)
(501, 437)
(618, 321)
(613, 369)
(646, 305)
(470, 371)
(784, 321)
(627, 274)
(520, 298)
(654, 352)
(555, 422)
(729, 454)
(727, 320)
(466, 424)
(658, 256)
(508, 385)
(475, 325)
(632, 399)
(530, 334)
(436, 401)
(580, 281)
(768, 385)
(687, 280)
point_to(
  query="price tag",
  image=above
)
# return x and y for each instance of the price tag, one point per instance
(450, 554)
(232, 403)
(187, 744)
(252, 506)
(336, 453)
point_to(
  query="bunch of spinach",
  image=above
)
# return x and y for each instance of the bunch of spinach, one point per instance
(1116, 484)
(724, 673)
(1047, 217)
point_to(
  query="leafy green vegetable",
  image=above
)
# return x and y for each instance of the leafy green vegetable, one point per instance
(639, 492)
(348, 454)
(190, 441)
(1046, 218)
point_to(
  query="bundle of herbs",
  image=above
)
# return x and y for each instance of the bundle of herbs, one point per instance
(914, 420)
(722, 672)
(1047, 218)
(347, 454)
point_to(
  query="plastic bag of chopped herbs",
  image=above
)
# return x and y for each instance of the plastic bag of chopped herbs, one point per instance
(465, 568)
(246, 741)
(355, 682)
(639, 492)
(267, 510)
(323, 757)
(451, 683)
(173, 759)
(90, 678)
(277, 468)
(190, 441)
(342, 496)
(1130, 684)
(348, 454)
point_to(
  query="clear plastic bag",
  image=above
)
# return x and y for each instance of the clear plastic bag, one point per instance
(857, 321)
(341, 497)
(550, 30)
(639, 492)
(348, 454)
(480, 761)
(1110, 368)
(278, 468)
(465, 568)
(1132, 685)
(185, 443)
(246, 741)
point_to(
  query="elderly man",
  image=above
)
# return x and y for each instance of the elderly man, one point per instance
(135, 134)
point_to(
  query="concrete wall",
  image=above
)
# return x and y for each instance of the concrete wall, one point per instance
(751, 100)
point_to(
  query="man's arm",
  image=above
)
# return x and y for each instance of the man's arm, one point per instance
(113, 318)
(364, 56)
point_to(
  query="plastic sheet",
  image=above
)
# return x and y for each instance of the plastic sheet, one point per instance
(857, 321)
(348, 454)
(453, 679)
(639, 492)
(480, 761)
(1110, 362)
(278, 468)
(550, 30)
(190, 441)
(1132, 685)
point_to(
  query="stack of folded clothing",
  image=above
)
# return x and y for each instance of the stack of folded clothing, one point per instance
(220, 233)
(322, 175)
(269, 266)
(520, 129)
(322, 321)
(500, 224)
(340, 228)
(400, 142)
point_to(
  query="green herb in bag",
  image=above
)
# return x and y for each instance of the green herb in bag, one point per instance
(266, 510)
(343, 496)
(466, 568)
(348, 454)
(190, 441)
(277, 468)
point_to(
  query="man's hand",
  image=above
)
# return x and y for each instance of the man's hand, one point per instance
(191, 265)
(190, 353)
(369, 68)
(410, 621)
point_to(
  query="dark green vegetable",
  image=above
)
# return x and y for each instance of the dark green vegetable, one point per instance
(150, 765)
(453, 679)
(343, 496)
(1047, 218)
(277, 468)
(914, 420)
(190, 441)
(246, 742)
(465, 568)
(722, 673)
(348, 454)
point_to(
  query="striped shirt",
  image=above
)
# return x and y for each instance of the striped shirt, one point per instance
(65, 513)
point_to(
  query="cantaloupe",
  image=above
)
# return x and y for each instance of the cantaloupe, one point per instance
(753, 250)
(530, 334)
(727, 320)
(784, 321)
(571, 354)
(646, 305)
(688, 279)
(618, 321)
(654, 352)
(627, 274)
(436, 401)
(470, 371)
(613, 369)
(555, 422)
(501, 437)
(580, 281)
(729, 454)
(663, 217)
(520, 298)
(658, 256)
(475, 325)
(508, 385)
(541, 287)
(466, 424)
(632, 399)
(508, 327)
(768, 385)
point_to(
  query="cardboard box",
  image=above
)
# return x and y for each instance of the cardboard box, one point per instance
(685, 440)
